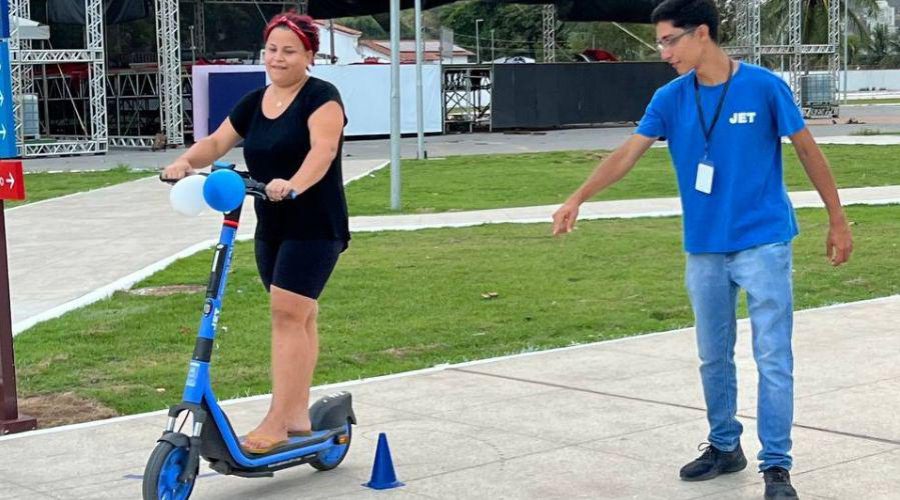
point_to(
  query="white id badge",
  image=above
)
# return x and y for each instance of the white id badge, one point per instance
(705, 172)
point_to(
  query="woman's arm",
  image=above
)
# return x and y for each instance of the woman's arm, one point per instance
(204, 151)
(325, 127)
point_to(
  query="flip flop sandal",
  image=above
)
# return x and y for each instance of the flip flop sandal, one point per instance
(270, 444)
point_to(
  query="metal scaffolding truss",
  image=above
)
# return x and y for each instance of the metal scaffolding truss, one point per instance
(748, 46)
(549, 30)
(96, 133)
(94, 31)
(54, 56)
(748, 30)
(467, 90)
(168, 43)
(162, 93)
(135, 100)
(23, 59)
(834, 37)
(199, 27)
(132, 103)
(795, 18)
(808, 49)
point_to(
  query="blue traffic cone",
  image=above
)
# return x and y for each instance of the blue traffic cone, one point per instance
(383, 476)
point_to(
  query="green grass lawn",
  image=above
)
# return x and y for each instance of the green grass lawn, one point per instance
(873, 131)
(495, 181)
(406, 300)
(872, 101)
(42, 185)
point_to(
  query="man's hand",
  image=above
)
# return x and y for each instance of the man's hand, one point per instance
(610, 171)
(839, 244)
(564, 218)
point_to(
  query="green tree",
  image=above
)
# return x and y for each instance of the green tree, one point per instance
(882, 49)
(814, 23)
(367, 24)
(611, 38)
(517, 28)
(727, 25)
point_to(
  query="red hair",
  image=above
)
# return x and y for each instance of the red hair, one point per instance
(302, 26)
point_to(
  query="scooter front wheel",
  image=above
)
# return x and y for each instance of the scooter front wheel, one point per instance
(164, 467)
(332, 457)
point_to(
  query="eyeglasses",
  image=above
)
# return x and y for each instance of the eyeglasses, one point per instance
(669, 42)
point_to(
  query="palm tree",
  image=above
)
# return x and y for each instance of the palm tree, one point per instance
(814, 23)
(882, 48)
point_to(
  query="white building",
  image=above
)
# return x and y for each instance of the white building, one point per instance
(884, 15)
(346, 41)
(380, 51)
(896, 5)
(349, 49)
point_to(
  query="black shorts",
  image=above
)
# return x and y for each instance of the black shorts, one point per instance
(299, 266)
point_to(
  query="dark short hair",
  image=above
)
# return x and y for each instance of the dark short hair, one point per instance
(688, 14)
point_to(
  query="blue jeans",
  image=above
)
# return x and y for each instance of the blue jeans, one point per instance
(713, 281)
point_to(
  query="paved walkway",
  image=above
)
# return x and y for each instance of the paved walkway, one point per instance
(609, 420)
(71, 251)
(884, 118)
(621, 209)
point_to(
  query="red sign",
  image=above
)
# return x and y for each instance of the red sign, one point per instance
(12, 181)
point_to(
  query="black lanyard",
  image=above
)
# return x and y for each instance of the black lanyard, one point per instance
(707, 132)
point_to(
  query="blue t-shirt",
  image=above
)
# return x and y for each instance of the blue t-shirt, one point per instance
(748, 205)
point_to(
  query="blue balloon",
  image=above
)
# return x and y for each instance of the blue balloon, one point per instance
(224, 190)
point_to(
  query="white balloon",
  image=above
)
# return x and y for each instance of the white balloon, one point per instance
(186, 195)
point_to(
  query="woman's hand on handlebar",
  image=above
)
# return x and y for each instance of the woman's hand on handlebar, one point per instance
(279, 189)
(176, 170)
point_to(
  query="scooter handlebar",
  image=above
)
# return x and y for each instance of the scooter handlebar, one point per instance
(173, 181)
(257, 189)
(252, 186)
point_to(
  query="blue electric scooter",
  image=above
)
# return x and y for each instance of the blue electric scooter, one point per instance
(174, 464)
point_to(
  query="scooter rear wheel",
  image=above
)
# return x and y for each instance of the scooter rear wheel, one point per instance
(332, 457)
(161, 475)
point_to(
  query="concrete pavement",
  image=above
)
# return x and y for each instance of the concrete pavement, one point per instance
(613, 419)
(70, 251)
(619, 209)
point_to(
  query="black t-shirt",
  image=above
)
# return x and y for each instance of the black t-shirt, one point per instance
(275, 149)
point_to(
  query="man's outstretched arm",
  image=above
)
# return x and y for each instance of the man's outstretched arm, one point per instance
(611, 170)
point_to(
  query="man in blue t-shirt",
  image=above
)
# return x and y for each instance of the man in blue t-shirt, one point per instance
(724, 121)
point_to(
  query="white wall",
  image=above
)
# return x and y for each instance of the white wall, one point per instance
(878, 79)
(344, 45)
(365, 90)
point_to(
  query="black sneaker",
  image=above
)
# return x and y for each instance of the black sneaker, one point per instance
(713, 462)
(778, 484)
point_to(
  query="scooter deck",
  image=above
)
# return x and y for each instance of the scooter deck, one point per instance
(298, 448)
(296, 442)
